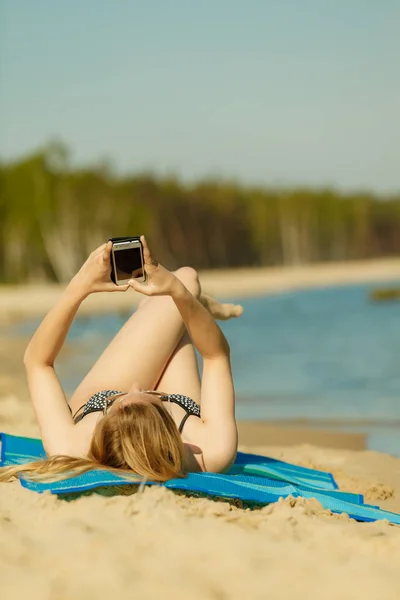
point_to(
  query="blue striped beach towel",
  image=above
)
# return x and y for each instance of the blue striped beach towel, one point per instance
(253, 479)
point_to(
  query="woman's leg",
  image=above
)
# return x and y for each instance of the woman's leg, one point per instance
(181, 375)
(152, 350)
(139, 353)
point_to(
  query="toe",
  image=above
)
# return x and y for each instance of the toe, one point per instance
(238, 310)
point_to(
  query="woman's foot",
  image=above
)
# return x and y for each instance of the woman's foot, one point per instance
(219, 311)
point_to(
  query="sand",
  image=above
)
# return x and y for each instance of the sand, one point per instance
(158, 544)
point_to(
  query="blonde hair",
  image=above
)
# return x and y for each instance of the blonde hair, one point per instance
(135, 439)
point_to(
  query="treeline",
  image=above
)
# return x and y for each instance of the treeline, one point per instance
(52, 216)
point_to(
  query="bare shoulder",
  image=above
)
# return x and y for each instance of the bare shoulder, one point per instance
(82, 434)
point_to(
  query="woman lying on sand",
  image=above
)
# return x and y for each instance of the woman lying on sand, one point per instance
(138, 409)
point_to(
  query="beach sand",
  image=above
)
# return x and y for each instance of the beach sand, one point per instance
(158, 544)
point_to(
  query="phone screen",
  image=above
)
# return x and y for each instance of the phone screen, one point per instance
(128, 263)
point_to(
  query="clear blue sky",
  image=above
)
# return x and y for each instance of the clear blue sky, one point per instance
(264, 91)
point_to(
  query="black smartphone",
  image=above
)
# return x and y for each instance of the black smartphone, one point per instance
(127, 260)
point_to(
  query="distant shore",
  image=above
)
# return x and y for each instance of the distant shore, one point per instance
(29, 301)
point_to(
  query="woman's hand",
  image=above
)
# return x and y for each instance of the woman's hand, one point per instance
(160, 281)
(94, 275)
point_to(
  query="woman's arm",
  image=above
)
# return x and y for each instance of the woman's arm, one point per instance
(216, 433)
(48, 398)
(94, 276)
(49, 402)
(49, 338)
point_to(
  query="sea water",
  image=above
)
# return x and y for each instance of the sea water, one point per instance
(327, 355)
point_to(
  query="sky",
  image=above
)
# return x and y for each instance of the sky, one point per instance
(274, 92)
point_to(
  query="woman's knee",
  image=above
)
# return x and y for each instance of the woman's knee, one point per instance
(190, 279)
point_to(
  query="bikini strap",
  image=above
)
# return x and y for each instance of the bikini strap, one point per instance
(185, 418)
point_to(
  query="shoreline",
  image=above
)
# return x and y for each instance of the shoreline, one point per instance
(19, 302)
